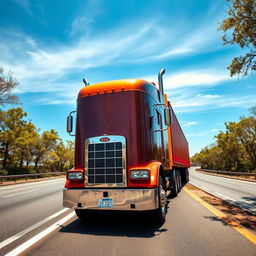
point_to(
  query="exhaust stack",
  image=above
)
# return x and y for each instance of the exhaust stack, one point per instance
(85, 81)
(160, 80)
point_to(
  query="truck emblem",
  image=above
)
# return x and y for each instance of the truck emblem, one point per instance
(104, 139)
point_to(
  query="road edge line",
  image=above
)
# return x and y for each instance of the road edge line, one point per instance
(29, 229)
(21, 248)
(246, 233)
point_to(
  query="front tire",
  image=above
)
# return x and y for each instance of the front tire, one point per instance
(160, 213)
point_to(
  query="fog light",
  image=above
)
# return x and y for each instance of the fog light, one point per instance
(139, 174)
(75, 176)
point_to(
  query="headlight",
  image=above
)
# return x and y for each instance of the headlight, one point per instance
(75, 176)
(139, 174)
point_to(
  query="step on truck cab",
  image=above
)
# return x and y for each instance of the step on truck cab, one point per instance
(129, 149)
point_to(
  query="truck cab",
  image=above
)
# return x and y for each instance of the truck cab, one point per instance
(123, 149)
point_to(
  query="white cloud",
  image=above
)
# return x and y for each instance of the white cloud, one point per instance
(81, 24)
(201, 77)
(197, 134)
(188, 124)
(190, 103)
(172, 52)
(48, 68)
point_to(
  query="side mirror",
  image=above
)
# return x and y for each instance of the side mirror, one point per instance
(69, 124)
(168, 116)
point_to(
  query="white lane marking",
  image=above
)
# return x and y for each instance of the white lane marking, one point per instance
(227, 179)
(24, 232)
(224, 196)
(17, 194)
(39, 236)
(204, 187)
(23, 189)
(33, 183)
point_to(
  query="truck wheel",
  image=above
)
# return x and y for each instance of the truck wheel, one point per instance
(160, 213)
(178, 181)
(187, 175)
(174, 190)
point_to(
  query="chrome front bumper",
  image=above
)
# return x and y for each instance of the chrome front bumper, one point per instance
(123, 199)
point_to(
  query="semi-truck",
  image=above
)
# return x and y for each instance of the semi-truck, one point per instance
(130, 151)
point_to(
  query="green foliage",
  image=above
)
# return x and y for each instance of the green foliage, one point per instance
(240, 28)
(234, 150)
(24, 150)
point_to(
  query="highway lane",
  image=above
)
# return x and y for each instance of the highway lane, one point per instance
(238, 192)
(25, 204)
(190, 229)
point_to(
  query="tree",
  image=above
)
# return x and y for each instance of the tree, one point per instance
(62, 158)
(235, 148)
(11, 124)
(246, 134)
(45, 144)
(240, 28)
(70, 147)
(24, 144)
(7, 84)
(231, 150)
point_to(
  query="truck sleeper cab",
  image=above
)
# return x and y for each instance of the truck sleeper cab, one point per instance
(123, 153)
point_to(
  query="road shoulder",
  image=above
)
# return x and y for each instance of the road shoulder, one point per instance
(241, 220)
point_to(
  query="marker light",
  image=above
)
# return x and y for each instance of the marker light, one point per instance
(75, 176)
(139, 174)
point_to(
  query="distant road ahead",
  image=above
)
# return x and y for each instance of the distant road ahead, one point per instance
(238, 192)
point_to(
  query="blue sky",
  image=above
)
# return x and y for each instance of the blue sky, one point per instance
(51, 45)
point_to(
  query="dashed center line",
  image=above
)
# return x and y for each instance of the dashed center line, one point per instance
(224, 196)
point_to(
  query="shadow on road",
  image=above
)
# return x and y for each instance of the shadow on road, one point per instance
(129, 224)
(234, 215)
(249, 204)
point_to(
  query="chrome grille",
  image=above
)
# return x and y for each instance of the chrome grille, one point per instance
(105, 162)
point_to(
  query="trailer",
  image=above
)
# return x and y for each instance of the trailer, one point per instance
(130, 151)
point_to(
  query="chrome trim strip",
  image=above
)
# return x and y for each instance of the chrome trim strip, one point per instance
(112, 138)
(143, 199)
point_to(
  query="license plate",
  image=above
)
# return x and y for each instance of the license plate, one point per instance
(105, 202)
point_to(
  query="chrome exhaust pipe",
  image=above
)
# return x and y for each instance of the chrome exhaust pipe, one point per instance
(160, 80)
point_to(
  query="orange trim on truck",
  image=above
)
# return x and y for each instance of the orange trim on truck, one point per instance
(116, 86)
(152, 182)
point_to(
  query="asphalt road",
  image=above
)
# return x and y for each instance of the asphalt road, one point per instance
(190, 228)
(24, 205)
(238, 192)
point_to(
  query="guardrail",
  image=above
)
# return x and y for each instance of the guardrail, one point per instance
(25, 177)
(239, 174)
